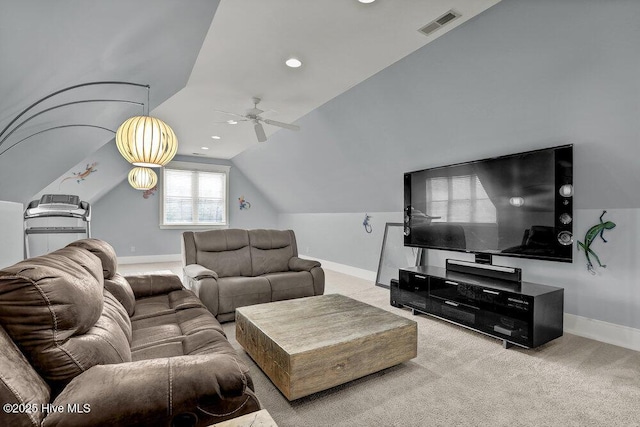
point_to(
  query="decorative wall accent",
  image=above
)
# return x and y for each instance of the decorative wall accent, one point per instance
(591, 235)
(80, 176)
(243, 203)
(367, 223)
(150, 192)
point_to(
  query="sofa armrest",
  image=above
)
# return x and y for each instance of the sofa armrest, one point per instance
(299, 264)
(146, 285)
(196, 271)
(203, 388)
(204, 283)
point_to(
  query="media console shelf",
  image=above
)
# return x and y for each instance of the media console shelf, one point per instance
(520, 313)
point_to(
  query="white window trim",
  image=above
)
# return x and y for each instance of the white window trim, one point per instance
(205, 167)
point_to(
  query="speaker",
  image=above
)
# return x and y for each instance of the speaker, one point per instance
(565, 238)
(512, 274)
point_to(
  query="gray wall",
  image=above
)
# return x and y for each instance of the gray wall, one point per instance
(125, 219)
(520, 76)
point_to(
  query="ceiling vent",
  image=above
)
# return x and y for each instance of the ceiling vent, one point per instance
(440, 22)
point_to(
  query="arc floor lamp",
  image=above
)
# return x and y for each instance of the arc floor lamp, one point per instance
(144, 141)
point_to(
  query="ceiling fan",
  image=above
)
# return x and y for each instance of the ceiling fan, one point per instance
(253, 115)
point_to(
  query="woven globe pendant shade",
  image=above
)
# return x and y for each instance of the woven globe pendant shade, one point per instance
(142, 178)
(146, 141)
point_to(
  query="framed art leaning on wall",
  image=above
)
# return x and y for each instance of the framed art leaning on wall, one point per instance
(393, 255)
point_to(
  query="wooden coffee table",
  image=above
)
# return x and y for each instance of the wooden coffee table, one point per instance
(310, 344)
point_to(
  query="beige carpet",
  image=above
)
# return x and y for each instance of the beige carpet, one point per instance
(463, 378)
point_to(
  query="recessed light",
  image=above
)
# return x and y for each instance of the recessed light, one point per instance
(232, 122)
(215, 137)
(204, 148)
(293, 62)
(366, 1)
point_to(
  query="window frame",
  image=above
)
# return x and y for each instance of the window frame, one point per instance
(195, 167)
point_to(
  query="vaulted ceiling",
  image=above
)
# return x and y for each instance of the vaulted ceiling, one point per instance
(198, 57)
(340, 42)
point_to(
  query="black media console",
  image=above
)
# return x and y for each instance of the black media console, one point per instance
(521, 313)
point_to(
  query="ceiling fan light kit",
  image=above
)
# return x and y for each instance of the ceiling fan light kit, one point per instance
(253, 115)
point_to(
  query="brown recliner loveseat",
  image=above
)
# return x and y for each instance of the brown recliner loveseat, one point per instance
(81, 345)
(233, 268)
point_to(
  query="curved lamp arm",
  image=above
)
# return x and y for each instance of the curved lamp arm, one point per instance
(57, 127)
(23, 112)
(22, 123)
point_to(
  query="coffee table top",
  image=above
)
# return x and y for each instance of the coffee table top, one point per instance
(306, 324)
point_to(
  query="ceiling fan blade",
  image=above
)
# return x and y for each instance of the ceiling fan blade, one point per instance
(281, 124)
(262, 137)
(231, 114)
(226, 122)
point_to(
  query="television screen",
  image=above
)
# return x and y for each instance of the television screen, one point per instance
(517, 205)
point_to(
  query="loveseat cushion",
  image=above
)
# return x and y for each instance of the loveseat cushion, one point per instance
(236, 292)
(271, 250)
(224, 251)
(56, 309)
(102, 250)
(290, 284)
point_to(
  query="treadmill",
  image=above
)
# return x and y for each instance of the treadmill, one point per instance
(56, 206)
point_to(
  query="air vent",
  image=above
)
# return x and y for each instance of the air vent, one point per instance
(440, 22)
(198, 154)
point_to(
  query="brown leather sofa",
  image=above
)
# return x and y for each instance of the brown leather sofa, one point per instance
(232, 268)
(81, 345)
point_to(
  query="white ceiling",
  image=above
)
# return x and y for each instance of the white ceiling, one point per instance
(341, 43)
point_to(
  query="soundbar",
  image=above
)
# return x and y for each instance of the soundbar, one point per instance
(512, 274)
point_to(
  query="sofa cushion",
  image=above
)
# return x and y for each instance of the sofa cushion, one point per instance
(146, 285)
(20, 385)
(291, 284)
(166, 303)
(271, 250)
(120, 288)
(181, 332)
(236, 292)
(224, 251)
(56, 309)
(102, 250)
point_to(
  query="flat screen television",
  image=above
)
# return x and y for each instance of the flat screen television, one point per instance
(519, 205)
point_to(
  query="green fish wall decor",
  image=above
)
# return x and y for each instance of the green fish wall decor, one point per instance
(592, 233)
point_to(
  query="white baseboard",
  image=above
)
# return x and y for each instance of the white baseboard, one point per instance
(346, 269)
(610, 333)
(149, 259)
(623, 336)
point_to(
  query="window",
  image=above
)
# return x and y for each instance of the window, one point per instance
(459, 199)
(194, 194)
